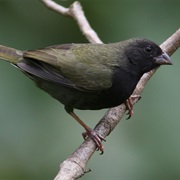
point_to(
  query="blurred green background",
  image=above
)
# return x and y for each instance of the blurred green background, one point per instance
(36, 134)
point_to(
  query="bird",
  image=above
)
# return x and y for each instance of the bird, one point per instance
(88, 76)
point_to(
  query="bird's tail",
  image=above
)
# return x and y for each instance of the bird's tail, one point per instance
(11, 55)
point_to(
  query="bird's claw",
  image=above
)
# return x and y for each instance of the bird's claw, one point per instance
(97, 138)
(129, 105)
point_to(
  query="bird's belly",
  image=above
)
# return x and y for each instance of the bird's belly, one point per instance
(78, 99)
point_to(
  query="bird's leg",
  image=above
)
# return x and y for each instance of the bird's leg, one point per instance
(129, 105)
(89, 133)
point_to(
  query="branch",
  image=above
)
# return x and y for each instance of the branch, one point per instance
(76, 12)
(74, 166)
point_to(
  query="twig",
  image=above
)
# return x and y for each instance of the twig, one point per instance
(76, 12)
(74, 166)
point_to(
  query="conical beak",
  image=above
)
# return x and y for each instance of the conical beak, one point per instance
(163, 59)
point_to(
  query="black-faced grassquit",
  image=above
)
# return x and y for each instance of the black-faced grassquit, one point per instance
(88, 76)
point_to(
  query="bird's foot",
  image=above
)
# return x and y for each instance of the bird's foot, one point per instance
(97, 138)
(129, 105)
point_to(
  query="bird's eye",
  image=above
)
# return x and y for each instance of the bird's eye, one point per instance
(148, 49)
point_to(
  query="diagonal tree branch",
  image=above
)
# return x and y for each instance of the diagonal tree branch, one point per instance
(74, 166)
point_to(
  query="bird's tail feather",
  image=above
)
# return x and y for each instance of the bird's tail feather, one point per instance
(11, 55)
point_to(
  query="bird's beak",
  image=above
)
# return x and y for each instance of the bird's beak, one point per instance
(163, 59)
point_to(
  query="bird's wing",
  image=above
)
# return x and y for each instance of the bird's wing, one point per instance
(80, 66)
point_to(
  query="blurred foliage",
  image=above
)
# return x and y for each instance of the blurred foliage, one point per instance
(35, 131)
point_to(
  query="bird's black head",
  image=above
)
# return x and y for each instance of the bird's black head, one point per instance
(145, 55)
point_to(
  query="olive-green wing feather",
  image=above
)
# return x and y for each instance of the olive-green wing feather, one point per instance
(86, 66)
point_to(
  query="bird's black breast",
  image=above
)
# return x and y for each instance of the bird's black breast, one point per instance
(124, 83)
